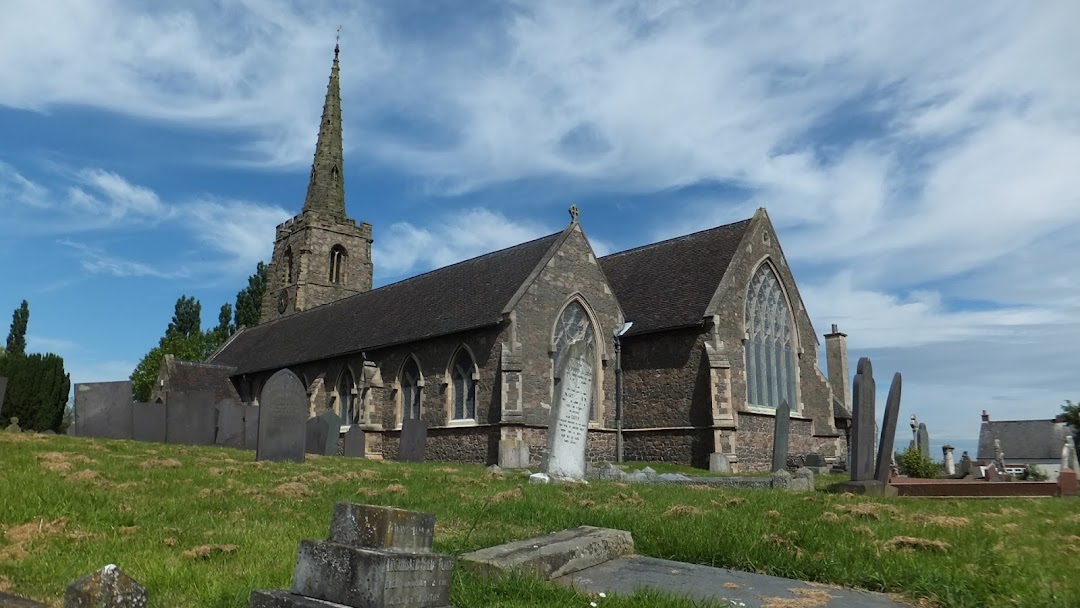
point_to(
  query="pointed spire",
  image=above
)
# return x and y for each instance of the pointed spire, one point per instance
(326, 188)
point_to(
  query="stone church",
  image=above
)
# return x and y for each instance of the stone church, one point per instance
(720, 337)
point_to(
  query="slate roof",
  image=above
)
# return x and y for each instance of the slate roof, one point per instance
(1022, 439)
(670, 284)
(454, 298)
(191, 376)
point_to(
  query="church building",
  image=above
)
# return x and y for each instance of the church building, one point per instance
(719, 339)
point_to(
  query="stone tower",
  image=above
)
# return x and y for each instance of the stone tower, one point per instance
(320, 255)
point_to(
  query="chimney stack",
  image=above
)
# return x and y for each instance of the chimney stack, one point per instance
(837, 361)
(986, 416)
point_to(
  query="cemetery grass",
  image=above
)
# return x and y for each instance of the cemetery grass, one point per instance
(205, 526)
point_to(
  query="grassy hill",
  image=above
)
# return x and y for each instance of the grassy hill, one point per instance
(204, 526)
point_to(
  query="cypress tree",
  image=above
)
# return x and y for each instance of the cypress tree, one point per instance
(16, 340)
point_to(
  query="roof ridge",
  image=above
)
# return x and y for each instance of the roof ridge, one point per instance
(676, 238)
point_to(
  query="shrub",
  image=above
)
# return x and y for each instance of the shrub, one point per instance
(914, 464)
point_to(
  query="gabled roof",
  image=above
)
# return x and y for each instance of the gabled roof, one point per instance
(191, 375)
(1022, 439)
(671, 283)
(454, 298)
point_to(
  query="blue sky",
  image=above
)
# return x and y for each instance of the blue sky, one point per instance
(919, 160)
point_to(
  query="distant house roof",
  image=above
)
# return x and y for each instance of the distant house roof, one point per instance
(191, 376)
(671, 283)
(454, 298)
(1022, 439)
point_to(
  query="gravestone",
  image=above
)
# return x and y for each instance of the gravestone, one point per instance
(950, 462)
(14, 426)
(103, 410)
(283, 409)
(883, 471)
(568, 430)
(719, 463)
(230, 424)
(513, 454)
(322, 434)
(374, 557)
(190, 417)
(923, 440)
(862, 430)
(413, 442)
(148, 422)
(1069, 458)
(815, 460)
(109, 587)
(781, 436)
(354, 444)
(999, 457)
(251, 426)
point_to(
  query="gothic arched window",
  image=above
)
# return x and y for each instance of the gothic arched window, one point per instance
(412, 385)
(337, 263)
(770, 346)
(287, 266)
(346, 399)
(574, 324)
(461, 377)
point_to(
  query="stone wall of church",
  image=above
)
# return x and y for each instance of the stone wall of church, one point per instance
(756, 441)
(689, 447)
(475, 445)
(572, 270)
(666, 380)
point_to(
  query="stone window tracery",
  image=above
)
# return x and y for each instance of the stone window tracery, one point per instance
(770, 345)
(412, 386)
(574, 324)
(464, 386)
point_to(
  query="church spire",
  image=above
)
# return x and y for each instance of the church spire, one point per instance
(326, 189)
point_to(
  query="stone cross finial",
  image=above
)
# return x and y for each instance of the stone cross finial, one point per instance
(574, 213)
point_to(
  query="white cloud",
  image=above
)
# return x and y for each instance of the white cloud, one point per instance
(44, 344)
(405, 248)
(96, 260)
(242, 230)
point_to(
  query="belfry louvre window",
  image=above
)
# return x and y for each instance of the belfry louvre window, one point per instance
(574, 324)
(337, 263)
(464, 387)
(287, 266)
(770, 345)
(410, 391)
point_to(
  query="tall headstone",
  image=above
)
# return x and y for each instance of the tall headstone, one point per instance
(923, 439)
(230, 424)
(413, 441)
(883, 470)
(103, 410)
(283, 408)
(148, 422)
(862, 432)
(251, 426)
(353, 445)
(950, 462)
(568, 430)
(374, 557)
(109, 587)
(322, 434)
(999, 457)
(781, 436)
(190, 417)
(1069, 458)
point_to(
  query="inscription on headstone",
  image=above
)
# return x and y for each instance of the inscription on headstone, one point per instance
(103, 409)
(568, 431)
(353, 445)
(283, 408)
(148, 422)
(413, 441)
(781, 435)
(190, 417)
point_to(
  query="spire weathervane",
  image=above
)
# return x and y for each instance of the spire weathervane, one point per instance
(337, 43)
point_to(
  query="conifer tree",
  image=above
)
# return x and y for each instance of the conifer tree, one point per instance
(16, 340)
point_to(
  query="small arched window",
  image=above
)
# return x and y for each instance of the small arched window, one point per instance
(572, 325)
(770, 346)
(412, 385)
(287, 266)
(338, 256)
(334, 173)
(464, 386)
(346, 398)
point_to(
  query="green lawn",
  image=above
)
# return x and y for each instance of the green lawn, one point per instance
(72, 505)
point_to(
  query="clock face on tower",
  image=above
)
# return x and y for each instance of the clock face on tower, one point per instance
(282, 301)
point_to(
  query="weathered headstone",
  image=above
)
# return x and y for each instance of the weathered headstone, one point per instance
(923, 440)
(14, 426)
(322, 434)
(569, 426)
(251, 426)
(103, 410)
(230, 424)
(190, 417)
(283, 408)
(513, 454)
(862, 431)
(999, 457)
(413, 442)
(781, 436)
(375, 557)
(719, 463)
(883, 470)
(1069, 459)
(148, 422)
(353, 445)
(109, 587)
(950, 462)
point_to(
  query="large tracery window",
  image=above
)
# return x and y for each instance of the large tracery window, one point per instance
(346, 398)
(411, 387)
(464, 386)
(770, 345)
(574, 324)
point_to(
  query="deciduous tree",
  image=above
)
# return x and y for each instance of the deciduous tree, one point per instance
(249, 299)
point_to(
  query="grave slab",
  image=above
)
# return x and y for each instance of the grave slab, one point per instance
(781, 436)
(190, 417)
(353, 445)
(376, 527)
(283, 409)
(230, 424)
(103, 410)
(552, 555)
(322, 434)
(251, 427)
(110, 587)
(148, 422)
(413, 441)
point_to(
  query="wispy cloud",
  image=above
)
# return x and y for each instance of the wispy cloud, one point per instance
(96, 260)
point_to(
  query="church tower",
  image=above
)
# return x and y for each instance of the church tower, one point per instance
(320, 255)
